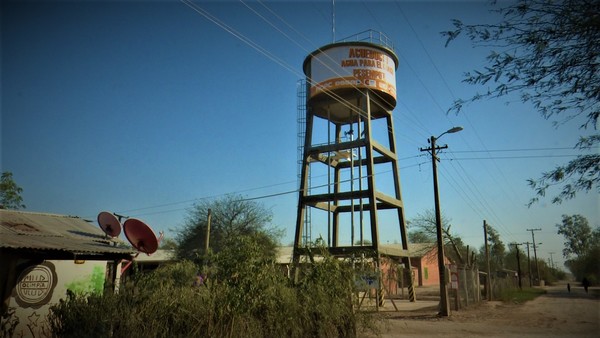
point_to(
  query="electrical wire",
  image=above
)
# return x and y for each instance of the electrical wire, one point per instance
(509, 157)
(333, 95)
(507, 150)
(248, 198)
(474, 130)
(471, 203)
(313, 47)
(472, 187)
(266, 53)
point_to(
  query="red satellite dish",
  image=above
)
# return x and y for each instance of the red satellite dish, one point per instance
(109, 224)
(140, 236)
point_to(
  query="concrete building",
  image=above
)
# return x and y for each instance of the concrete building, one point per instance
(44, 255)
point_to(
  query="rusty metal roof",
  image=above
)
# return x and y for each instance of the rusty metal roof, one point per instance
(415, 250)
(57, 234)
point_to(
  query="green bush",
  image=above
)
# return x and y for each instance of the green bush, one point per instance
(157, 304)
(247, 295)
(520, 296)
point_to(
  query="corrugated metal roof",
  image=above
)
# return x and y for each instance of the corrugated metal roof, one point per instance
(285, 253)
(21, 230)
(418, 249)
(157, 257)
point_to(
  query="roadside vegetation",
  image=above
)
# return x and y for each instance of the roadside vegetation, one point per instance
(237, 289)
(249, 297)
(234, 289)
(581, 248)
(520, 296)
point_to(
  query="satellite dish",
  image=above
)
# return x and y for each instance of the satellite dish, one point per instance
(140, 236)
(109, 224)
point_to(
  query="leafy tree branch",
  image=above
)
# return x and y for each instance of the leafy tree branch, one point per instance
(547, 52)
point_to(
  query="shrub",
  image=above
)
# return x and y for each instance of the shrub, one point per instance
(246, 296)
(519, 296)
(157, 304)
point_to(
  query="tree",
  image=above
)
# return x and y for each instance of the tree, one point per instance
(420, 236)
(514, 261)
(231, 217)
(582, 245)
(547, 52)
(426, 232)
(496, 248)
(168, 244)
(578, 234)
(587, 265)
(10, 192)
(510, 258)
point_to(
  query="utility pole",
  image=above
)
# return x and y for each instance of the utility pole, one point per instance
(529, 265)
(537, 267)
(488, 279)
(552, 260)
(518, 264)
(207, 239)
(444, 305)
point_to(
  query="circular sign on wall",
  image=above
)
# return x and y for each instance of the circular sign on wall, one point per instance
(35, 285)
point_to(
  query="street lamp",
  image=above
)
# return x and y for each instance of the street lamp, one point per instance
(444, 305)
(450, 131)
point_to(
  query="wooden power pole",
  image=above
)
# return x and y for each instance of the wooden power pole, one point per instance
(537, 267)
(529, 265)
(488, 280)
(518, 264)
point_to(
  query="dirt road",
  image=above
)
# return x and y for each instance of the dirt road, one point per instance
(558, 313)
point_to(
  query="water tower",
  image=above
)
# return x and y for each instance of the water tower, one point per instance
(348, 137)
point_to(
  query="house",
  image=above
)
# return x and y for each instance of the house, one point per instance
(423, 261)
(147, 263)
(424, 257)
(44, 255)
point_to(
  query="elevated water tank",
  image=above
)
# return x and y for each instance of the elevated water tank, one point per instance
(339, 74)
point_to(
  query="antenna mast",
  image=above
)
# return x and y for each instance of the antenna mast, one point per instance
(332, 21)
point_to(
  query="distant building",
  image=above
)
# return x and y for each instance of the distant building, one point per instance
(147, 263)
(423, 258)
(423, 261)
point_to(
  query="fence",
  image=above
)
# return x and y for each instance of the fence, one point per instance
(465, 288)
(466, 284)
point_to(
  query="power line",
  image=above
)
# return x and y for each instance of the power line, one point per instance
(460, 170)
(509, 150)
(508, 157)
(279, 61)
(251, 189)
(411, 115)
(474, 130)
(267, 53)
(480, 199)
(206, 197)
(332, 94)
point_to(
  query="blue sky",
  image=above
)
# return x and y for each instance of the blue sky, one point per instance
(143, 107)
